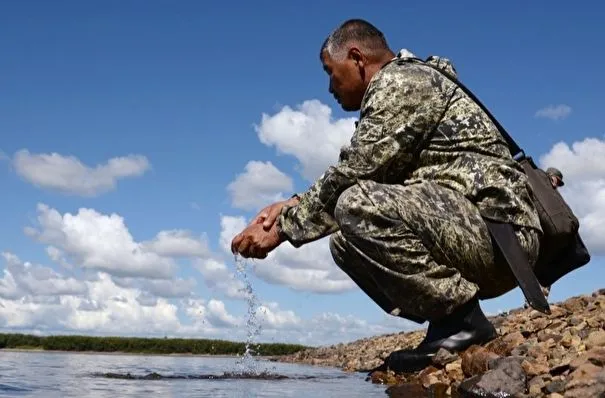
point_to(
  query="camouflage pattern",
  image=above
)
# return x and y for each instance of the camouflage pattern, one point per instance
(442, 63)
(417, 128)
(554, 172)
(558, 176)
(419, 250)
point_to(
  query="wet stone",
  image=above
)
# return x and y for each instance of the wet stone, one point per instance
(407, 390)
(428, 376)
(508, 379)
(438, 390)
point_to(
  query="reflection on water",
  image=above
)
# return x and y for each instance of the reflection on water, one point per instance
(54, 375)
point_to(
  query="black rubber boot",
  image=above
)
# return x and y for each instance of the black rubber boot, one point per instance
(455, 332)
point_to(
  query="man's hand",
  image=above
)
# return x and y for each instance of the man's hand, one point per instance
(269, 214)
(255, 241)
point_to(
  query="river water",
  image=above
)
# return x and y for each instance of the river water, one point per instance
(58, 374)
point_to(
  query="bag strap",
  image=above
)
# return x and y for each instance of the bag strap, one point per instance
(513, 146)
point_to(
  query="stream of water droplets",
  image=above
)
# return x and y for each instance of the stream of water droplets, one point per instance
(247, 364)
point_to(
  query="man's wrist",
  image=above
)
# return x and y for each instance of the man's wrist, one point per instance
(291, 202)
(280, 232)
(283, 214)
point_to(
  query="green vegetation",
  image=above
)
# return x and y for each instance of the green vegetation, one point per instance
(141, 345)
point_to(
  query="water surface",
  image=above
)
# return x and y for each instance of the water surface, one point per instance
(50, 374)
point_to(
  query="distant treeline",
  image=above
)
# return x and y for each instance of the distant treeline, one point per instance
(142, 345)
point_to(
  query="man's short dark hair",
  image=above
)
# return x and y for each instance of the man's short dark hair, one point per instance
(364, 33)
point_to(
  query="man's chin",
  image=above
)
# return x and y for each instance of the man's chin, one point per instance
(349, 108)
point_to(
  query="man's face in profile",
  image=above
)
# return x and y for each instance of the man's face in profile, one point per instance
(346, 79)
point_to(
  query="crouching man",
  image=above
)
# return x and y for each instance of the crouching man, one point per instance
(405, 203)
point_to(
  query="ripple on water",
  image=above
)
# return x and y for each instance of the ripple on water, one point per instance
(12, 390)
(223, 376)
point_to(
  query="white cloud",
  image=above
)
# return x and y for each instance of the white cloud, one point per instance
(46, 300)
(53, 303)
(309, 268)
(259, 185)
(272, 317)
(37, 297)
(583, 160)
(178, 243)
(339, 328)
(230, 226)
(56, 255)
(323, 328)
(147, 299)
(100, 242)
(67, 174)
(119, 311)
(309, 133)
(174, 288)
(217, 276)
(22, 279)
(554, 112)
(584, 176)
(218, 315)
(165, 288)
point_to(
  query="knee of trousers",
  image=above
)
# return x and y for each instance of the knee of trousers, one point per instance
(350, 208)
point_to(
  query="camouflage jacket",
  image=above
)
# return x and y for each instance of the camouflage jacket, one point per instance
(416, 125)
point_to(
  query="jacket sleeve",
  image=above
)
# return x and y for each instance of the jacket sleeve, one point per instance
(401, 106)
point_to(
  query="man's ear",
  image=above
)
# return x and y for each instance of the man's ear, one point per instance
(357, 56)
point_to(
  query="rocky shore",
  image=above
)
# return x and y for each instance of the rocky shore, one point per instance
(535, 355)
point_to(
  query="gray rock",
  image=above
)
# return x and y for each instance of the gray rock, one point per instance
(555, 386)
(443, 357)
(502, 362)
(507, 379)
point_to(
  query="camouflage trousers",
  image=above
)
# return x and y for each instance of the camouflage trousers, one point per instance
(419, 251)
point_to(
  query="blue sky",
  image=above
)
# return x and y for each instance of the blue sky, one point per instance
(184, 86)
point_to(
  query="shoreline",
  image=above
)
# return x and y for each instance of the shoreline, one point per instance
(124, 345)
(42, 350)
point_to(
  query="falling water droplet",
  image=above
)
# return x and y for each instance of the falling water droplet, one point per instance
(247, 364)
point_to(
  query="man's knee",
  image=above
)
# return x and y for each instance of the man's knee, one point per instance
(348, 209)
(369, 206)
